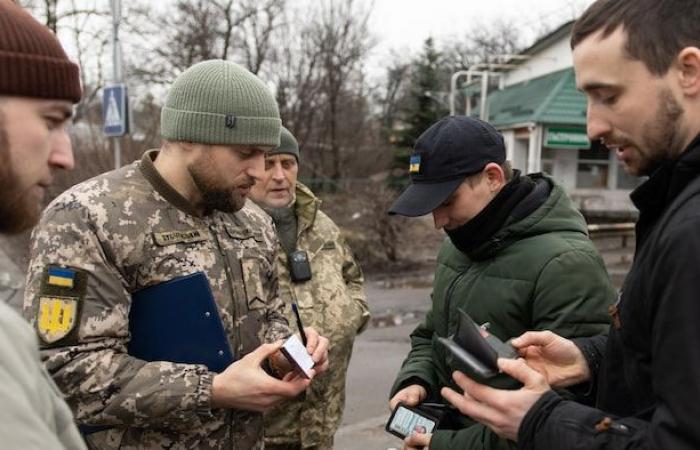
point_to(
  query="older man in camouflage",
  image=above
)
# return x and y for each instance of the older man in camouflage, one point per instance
(332, 300)
(175, 212)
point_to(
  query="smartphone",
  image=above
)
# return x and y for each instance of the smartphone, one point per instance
(297, 355)
(404, 420)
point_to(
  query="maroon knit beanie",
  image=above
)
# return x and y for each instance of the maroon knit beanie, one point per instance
(32, 61)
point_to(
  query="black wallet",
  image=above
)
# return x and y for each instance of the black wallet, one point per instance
(477, 348)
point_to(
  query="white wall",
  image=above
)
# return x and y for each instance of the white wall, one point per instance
(509, 141)
(554, 58)
(520, 156)
(534, 151)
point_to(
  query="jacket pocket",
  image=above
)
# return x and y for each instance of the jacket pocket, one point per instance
(252, 281)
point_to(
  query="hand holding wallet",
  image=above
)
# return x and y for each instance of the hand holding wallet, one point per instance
(477, 348)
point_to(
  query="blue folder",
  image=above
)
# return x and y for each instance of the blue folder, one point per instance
(178, 321)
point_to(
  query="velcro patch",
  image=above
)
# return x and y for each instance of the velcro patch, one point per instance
(61, 277)
(57, 317)
(330, 245)
(180, 237)
(60, 303)
(414, 164)
(242, 234)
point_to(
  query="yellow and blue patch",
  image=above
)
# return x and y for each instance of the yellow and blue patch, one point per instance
(57, 317)
(60, 305)
(61, 277)
(414, 164)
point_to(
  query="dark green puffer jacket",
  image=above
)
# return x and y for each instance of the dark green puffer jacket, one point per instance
(540, 273)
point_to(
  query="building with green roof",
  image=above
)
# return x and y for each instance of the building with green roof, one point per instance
(543, 119)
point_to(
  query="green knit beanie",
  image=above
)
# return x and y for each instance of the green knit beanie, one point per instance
(288, 144)
(220, 102)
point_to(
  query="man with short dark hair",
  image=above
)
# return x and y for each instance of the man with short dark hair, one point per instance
(179, 211)
(517, 257)
(38, 87)
(638, 62)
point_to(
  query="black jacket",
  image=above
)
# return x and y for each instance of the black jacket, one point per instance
(648, 371)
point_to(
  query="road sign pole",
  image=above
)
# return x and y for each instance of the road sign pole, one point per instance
(117, 152)
(117, 70)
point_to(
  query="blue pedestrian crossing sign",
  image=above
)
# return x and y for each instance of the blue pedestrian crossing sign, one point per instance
(115, 110)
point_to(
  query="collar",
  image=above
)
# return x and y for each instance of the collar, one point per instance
(667, 181)
(306, 205)
(475, 238)
(161, 186)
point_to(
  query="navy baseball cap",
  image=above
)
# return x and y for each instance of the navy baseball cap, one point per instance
(444, 155)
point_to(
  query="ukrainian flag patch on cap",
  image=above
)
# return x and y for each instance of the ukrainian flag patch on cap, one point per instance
(414, 165)
(61, 277)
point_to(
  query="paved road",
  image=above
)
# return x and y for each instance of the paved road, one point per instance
(376, 359)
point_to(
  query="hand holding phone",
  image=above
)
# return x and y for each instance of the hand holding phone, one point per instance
(296, 353)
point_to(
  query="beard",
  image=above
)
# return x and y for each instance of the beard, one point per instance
(215, 195)
(17, 212)
(662, 139)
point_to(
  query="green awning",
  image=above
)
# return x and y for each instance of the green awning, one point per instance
(549, 99)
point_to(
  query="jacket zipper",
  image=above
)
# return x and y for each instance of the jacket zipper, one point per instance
(229, 278)
(448, 298)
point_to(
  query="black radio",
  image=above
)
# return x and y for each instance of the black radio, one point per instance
(299, 266)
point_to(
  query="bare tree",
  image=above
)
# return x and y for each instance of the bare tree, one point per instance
(393, 93)
(255, 34)
(83, 23)
(343, 40)
(196, 30)
(482, 44)
(321, 87)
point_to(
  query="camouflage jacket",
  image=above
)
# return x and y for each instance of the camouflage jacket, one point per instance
(122, 231)
(333, 302)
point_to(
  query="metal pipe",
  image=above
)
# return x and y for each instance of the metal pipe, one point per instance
(484, 92)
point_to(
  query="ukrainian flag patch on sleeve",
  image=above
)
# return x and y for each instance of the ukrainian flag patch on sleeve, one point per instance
(61, 277)
(414, 165)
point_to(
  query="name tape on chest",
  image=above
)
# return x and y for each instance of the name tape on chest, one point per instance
(180, 237)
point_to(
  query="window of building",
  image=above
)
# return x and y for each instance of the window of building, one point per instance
(548, 160)
(593, 168)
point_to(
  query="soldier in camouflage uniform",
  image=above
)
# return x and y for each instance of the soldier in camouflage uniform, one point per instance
(332, 301)
(178, 211)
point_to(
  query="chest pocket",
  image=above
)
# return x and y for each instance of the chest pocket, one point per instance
(251, 268)
(168, 254)
(246, 255)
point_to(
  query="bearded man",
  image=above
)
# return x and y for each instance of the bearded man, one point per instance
(179, 210)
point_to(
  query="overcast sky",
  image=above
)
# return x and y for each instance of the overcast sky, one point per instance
(403, 25)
